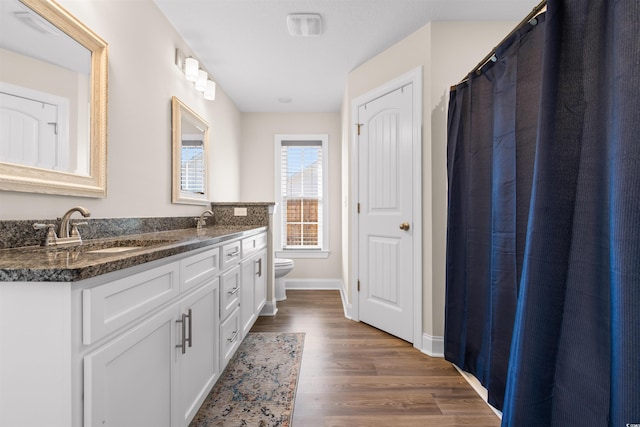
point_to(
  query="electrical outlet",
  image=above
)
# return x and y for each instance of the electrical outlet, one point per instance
(240, 211)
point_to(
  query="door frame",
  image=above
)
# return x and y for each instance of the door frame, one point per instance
(413, 77)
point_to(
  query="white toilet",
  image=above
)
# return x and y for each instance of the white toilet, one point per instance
(282, 267)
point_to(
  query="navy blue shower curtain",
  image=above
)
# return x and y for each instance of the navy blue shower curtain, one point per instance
(493, 121)
(543, 255)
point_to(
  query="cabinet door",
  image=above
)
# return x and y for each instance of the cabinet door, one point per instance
(127, 382)
(247, 294)
(199, 365)
(260, 287)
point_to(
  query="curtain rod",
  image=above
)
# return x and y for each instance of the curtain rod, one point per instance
(536, 11)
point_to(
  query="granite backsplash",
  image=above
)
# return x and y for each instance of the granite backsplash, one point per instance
(20, 233)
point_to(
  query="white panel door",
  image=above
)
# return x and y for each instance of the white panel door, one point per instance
(30, 130)
(385, 241)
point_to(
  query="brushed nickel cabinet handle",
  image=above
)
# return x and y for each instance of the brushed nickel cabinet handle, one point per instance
(183, 342)
(190, 317)
(233, 337)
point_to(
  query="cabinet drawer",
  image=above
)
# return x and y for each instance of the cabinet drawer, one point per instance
(230, 337)
(113, 305)
(198, 268)
(253, 244)
(230, 254)
(229, 291)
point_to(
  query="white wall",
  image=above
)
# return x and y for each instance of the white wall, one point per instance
(447, 51)
(142, 80)
(258, 175)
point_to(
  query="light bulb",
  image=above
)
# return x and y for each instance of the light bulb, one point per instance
(191, 69)
(210, 90)
(201, 82)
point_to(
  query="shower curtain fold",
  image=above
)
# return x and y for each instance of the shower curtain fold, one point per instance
(492, 132)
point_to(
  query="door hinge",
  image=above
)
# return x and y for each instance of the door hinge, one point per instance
(358, 125)
(358, 207)
(358, 285)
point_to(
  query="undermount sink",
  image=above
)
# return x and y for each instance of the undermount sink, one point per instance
(114, 249)
(118, 246)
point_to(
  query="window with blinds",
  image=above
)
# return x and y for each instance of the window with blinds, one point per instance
(193, 167)
(301, 194)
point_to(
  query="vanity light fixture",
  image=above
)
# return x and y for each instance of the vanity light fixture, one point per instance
(193, 73)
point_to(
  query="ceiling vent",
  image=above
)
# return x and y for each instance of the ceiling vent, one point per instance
(304, 24)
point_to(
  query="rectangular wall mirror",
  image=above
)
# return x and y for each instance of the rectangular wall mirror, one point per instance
(53, 101)
(190, 141)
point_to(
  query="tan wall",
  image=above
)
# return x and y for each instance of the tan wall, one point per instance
(142, 80)
(446, 51)
(258, 175)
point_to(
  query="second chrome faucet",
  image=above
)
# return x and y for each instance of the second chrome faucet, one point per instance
(200, 222)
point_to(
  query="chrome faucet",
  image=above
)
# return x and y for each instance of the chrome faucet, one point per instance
(200, 222)
(64, 237)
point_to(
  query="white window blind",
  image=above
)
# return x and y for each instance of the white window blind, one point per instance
(301, 194)
(193, 169)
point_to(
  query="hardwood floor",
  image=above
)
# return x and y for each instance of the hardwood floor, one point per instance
(354, 375)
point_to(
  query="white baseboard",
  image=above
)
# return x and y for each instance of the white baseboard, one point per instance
(432, 345)
(347, 308)
(479, 388)
(313, 284)
(269, 309)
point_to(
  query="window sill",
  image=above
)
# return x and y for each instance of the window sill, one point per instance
(311, 254)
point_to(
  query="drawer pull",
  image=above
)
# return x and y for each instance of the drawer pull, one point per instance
(234, 290)
(234, 336)
(185, 340)
(188, 316)
(232, 254)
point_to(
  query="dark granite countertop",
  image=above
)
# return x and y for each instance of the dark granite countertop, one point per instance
(74, 263)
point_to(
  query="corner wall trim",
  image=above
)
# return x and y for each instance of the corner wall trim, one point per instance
(478, 388)
(269, 309)
(346, 307)
(432, 346)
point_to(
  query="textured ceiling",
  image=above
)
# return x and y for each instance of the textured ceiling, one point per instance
(245, 46)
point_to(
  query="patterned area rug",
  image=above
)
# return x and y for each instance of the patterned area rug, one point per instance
(258, 386)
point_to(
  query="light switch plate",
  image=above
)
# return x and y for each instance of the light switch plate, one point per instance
(240, 211)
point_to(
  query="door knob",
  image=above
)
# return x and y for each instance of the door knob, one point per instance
(404, 226)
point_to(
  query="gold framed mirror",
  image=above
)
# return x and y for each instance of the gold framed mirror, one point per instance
(49, 58)
(190, 155)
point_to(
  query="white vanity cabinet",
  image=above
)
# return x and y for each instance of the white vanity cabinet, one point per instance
(138, 347)
(159, 371)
